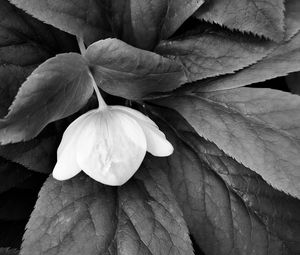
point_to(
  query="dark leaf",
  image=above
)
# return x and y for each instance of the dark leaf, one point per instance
(143, 23)
(265, 18)
(283, 59)
(257, 133)
(11, 174)
(122, 70)
(56, 89)
(24, 44)
(82, 18)
(81, 216)
(38, 154)
(212, 54)
(229, 208)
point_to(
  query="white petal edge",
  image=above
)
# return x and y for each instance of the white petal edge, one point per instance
(66, 166)
(72, 130)
(157, 144)
(111, 148)
(134, 113)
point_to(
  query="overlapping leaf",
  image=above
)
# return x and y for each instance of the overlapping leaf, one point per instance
(265, 18)
(143, 23)
(246, 132)
(229, 208)
(129, 72)
(211, 54)
(24, 44)
(37, 154)
(56, 89)
(82, 18)
(82, 216)
(275, 108)
(283, 59)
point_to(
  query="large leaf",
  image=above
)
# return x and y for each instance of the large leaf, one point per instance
(275, 108)
(143, 23)
(129, 72)
(283, 59)
(82, 18)
(37, 154)
(24, 44)
(56, 89)
(264, 18)
(81, 216)
(229, 208)
(20, 51)
(241, 130)
(211, 54)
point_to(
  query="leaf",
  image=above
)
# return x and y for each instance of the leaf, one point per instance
(143, 23)
(212, 53)
(292, 18)
(265, 18)
(8, 251)
(150, 217)
(229, 209)
(129, 72)
(71, 217)
(277, 109)
(11, 174)
(81, 216)
(283, 59)
(243, 133)
(37, 154)
(293, 82)
(56, 89)
(82, 18)
(20, 51)
(25, 43)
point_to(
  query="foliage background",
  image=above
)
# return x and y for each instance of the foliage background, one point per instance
(210, 196)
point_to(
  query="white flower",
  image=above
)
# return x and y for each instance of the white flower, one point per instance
(109, 144)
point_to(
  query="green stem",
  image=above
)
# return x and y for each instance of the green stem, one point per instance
(81, 45)
(101, 103)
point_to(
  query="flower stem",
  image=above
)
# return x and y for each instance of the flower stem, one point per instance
(101, 103)
(81, 45)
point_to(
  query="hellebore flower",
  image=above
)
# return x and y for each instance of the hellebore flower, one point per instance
(109, 144)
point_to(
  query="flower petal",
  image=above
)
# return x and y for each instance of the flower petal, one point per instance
(157, 144)
(73, 128)
(135, 114)
(66, 166)
(111, 147)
